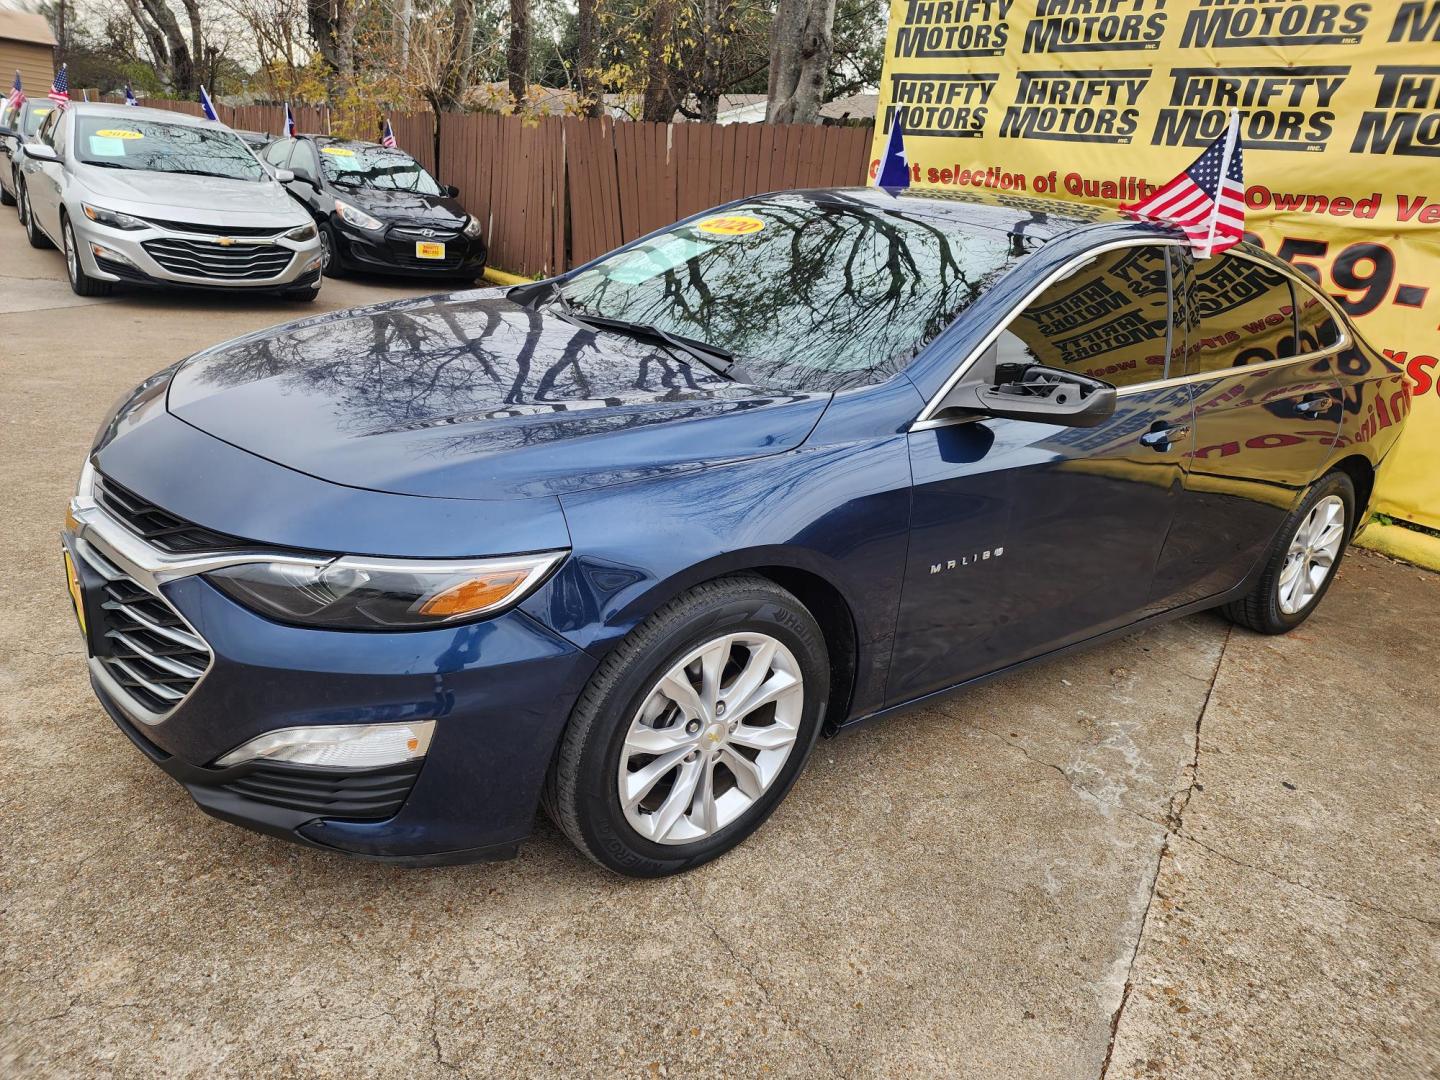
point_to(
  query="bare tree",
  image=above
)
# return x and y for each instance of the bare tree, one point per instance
(660, 96)
(801, 42)
(517, 57)
(332, 25)
(173, 55)
(588, 58)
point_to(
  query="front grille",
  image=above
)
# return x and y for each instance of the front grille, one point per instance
(368, 795)
(238, 262)
(220, 230)
(144, 643)
(159, 527)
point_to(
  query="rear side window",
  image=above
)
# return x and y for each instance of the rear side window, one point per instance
(1110, 320)
(1240, 313)
(1316, 326)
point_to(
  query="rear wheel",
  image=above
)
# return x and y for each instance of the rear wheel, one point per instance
(6, 199)
(27, 215)
(1301, 564)
(81, 282)
(692, 730)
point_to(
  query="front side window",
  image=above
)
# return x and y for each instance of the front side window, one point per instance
(1110, 320)
(358, 165)
(812, 292)
(158, 146)
(1241, 313)
(277, 153)
(303, 162)
(46, 133)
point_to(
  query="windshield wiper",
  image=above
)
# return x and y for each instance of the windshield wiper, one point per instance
(719, 360)
(108, 165)
(198, 172)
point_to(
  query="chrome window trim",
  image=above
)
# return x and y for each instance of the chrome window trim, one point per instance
(927, 419)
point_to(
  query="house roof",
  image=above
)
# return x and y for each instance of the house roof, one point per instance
(854, 106)
(25, 26)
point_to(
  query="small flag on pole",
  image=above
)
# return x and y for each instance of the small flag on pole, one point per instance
(17, 95)
(60, 88)
(895, 168)
(130, 96)
(387, 140)
(207, 105)
(85, 95)
(1207, 200)
(289, 122)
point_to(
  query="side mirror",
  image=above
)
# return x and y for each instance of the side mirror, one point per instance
(450, 191)
(285, 176)
(1044, 395)
(39, 151)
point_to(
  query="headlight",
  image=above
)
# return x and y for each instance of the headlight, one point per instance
(353, 593)
(113, 218)
(353, 216)
(303, 233)
(472, 226)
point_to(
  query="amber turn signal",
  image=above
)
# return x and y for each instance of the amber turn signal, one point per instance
(476, 594)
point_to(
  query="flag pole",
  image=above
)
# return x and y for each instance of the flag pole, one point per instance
(1232, 133)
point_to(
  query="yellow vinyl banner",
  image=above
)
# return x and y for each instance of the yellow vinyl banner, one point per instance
(1102, 101)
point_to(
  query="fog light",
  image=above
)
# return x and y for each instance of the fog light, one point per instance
(100, 251)
(343, 746)
(313, 264)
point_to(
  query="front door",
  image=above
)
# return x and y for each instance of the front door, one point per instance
(1261, 348)
(1026, 537)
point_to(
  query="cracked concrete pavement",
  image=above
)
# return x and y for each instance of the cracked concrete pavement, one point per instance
(1193, 852)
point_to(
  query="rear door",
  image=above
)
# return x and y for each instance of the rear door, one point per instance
(1026, 537)
(1260, 347)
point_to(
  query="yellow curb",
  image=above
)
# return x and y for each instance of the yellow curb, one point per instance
(1398, 542)
(500, 277)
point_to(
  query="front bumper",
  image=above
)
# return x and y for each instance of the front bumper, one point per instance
(393, 252)
(499, 691)
(162, 256)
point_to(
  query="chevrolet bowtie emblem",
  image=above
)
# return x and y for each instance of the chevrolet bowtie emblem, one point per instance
(224, 241)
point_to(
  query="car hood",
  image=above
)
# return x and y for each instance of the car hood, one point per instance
(473, 396)
(204, 199)
(405, 206)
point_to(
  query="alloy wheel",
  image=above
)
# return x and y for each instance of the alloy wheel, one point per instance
(72, 265)
(710, 737)
(324, 250)
(24, 209)
(1312, 554)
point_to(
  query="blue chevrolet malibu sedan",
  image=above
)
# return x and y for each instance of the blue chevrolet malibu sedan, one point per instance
(624, 543)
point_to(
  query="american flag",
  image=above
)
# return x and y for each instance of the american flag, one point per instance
(387, 140)
(60, 89)
(1207, 200)
(289, 122)
(17, 95)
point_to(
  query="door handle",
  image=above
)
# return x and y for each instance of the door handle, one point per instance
(1315, 404)
(1160, 438)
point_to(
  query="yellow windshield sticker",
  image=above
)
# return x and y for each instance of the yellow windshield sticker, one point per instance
(46, 111)
(731, 225)
(119, 133)
(338, 151)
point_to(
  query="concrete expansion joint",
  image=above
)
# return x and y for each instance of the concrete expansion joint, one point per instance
(1174, 822)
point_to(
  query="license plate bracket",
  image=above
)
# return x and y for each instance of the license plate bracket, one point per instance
(429, 249)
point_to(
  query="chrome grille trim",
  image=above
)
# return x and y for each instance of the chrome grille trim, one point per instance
(159, 657)
(200, 258)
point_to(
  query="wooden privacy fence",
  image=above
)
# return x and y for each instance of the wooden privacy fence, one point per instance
(558, 192)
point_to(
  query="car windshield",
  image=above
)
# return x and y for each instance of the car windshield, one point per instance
(810, 292)
(375, 167)
(157, 146)
(33, 117)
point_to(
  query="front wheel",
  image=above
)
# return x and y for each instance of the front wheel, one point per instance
(1302, 562)
(80, 282)
(36, 238)
(692, 730)
(330, 251)
(6, 199)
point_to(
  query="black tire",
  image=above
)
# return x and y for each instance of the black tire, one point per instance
(80, 282)
(33, 234)
(6, 199)
(330, 251)
(305, 295)
(581, 792)
(1260, 610)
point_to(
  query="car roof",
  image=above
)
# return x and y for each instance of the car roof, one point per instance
(135, 112)
(1007, 212)
(353, 144)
